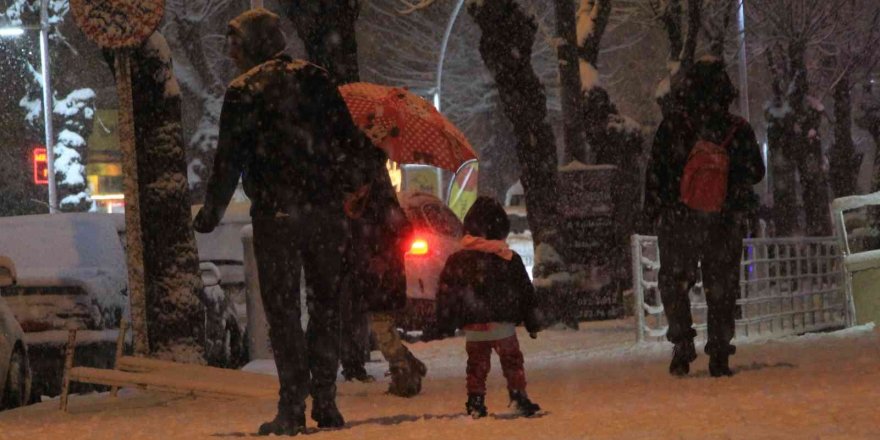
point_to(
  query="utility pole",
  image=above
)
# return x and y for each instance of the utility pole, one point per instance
(48, 105)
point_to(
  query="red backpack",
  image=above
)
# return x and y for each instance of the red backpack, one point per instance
(704, 182)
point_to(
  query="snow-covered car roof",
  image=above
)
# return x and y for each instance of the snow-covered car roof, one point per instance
(224, 242)
(69, 249)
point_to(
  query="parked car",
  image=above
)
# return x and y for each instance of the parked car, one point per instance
(72, 274)
(436, 235)
(15, 371)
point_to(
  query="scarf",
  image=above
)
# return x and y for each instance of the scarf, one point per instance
(480, 244)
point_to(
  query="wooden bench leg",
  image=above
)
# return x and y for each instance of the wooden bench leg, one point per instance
(68, 364)
(120, 350)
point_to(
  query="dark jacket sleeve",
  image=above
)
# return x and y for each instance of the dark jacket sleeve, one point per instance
(746, 170)
(235, 128)
(528, 297)
(449, 295)
(746, 163)
(657, 175)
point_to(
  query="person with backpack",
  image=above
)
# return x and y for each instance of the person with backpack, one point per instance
(486, 291)
(699, 199)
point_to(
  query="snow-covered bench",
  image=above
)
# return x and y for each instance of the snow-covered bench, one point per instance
(787, 286)
(165, 376)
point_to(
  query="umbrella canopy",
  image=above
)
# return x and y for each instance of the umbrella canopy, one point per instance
(407, 127)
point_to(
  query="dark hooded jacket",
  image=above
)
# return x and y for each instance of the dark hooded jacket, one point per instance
(284, 130)
(480, 287)
(705, 85)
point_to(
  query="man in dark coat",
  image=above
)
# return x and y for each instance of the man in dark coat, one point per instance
(688, 236)
(485, 290)
(286, 132)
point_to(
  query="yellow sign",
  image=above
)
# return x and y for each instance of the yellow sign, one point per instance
(422, 178)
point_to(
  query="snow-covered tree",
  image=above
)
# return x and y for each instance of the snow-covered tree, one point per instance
(850, 58)
(794, 34)
(506, 41)
(567, 45)
(173, 288)
(196, 31)
(72, 114)
(403, 49)
(76, 110)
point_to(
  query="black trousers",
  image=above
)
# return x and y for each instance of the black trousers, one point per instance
(714, 241)
(311, 240)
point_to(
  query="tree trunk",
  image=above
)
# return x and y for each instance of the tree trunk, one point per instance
(845, 162)
(806, 148)
(570, 82)
(507, 36)
(327, 29)
(785, 208)
(175, 312)
(794, 121)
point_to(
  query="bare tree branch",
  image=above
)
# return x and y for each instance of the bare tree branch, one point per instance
(411, 7)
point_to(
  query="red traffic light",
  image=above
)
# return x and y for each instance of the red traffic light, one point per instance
(41, 166)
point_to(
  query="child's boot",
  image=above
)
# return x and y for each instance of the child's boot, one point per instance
(524, 406)
(476, 406)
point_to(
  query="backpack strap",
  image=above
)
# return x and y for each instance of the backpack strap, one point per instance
(737, 123)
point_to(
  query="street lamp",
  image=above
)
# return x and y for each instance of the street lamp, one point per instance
(45, 71)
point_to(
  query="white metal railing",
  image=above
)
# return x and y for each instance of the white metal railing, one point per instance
(787, 286)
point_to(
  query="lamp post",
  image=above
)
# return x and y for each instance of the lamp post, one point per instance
(45, 72)
(743, 70)
(45, 67)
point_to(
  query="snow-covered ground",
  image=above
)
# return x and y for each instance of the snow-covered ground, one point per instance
(594, 383)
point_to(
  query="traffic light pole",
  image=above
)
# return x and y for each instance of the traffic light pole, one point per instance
(48, 103)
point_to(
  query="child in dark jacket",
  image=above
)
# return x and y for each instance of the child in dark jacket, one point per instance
(485, 290)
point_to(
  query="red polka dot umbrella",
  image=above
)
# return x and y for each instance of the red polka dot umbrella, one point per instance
(405, 126)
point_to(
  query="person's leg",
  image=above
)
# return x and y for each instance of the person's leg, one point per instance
(512, 364)
(406, 370)
(678, 273)
(478, 366)
(721, 270)
(322, 259)
(278, 267)
(355, 337)
(677, 276)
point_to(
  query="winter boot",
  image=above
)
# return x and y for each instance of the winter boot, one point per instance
(284, 425)
(476, 406)
(682, 355)
(524, 406)
(719, 361)
(326, 414)
(406, 376)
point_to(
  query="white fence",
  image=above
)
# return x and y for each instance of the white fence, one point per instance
(787, 286)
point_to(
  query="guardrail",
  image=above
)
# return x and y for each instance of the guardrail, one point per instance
(787, 286)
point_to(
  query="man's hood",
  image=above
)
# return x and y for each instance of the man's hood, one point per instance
(707, 82)
(260, 33)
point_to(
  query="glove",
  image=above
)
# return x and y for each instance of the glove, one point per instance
(533, 335)
(203, 223)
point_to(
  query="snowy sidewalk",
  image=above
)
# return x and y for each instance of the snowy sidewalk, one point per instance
(593, 383)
